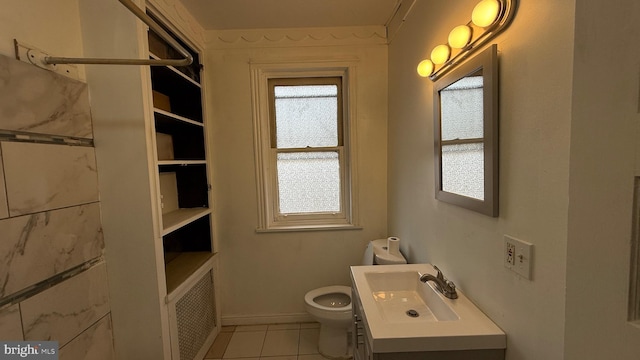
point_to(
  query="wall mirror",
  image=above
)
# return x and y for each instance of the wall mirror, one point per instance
(466, 134)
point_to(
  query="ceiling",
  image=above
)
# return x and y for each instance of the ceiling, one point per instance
(268, 14)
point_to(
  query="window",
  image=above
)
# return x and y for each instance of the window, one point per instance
(462, 137)
(303, 150)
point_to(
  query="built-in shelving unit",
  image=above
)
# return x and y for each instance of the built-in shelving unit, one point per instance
(182, 164)
(184, 198)
(152, 127)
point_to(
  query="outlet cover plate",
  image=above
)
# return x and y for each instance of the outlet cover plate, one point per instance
(518, 256)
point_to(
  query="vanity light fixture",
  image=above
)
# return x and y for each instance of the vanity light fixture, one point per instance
(459, 37)
(488, 19)
(425, 68)
(485, 13)
(440, 54)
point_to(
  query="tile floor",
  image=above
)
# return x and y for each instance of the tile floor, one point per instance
(267, 342)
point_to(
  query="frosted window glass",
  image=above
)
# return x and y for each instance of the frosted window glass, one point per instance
(306, 116)
(309, 182)
(461, 109)
(463, 169)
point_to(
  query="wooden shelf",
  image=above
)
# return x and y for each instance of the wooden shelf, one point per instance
(181, 162)
(177, 117)
(176, 71)
(174, 220)
(183, 266)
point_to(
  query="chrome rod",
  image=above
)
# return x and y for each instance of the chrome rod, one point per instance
(134, 9)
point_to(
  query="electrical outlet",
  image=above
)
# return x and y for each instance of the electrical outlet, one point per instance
(518, 256)
(509, 253)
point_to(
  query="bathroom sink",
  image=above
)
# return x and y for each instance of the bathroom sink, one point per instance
(401, 297)
(403, 314)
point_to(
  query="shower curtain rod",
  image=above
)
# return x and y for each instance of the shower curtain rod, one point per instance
(133, 8)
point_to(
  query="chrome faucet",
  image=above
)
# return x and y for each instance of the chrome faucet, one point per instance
(446, 287)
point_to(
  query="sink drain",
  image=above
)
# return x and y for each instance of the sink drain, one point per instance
(412, 313)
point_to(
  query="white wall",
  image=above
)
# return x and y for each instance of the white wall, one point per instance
(535, 112)
(51, 26)
(120, 107)
(264, 276)
(604, 153)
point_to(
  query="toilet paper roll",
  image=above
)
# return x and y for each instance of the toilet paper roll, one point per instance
(393, 245)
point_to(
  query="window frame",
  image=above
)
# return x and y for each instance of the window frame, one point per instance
(269, 216)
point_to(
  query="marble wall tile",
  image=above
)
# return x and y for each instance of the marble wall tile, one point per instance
(41, 101)
(10, 324)
(64, 311)
(4, 207)
(42, 177)
(38, 246)
(95, 343)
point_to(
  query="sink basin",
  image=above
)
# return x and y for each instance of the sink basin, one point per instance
(390, 297)
(401, 297)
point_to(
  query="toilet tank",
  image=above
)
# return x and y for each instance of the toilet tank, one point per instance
(376, 254)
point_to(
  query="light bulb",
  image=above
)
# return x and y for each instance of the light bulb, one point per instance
(459, 37)
(485, 13)
(440, 54)
(425, 68)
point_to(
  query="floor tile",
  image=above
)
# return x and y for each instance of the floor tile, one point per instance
(245, 344)
(308, 341)
(311, 357)
(252, 328)
(216, 351)
(310, 325)
(228, 328)
(289, 357)
(292, 326)
(281, 342)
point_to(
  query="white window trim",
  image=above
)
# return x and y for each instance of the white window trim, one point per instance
(268, 219)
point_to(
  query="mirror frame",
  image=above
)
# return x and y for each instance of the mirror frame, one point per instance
(487, 61)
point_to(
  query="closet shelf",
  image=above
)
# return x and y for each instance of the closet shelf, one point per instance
(176, 219)
(181, 162)
(177, 117)
(176, 71)
(184, 265)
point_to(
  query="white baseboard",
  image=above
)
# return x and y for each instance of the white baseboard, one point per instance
(265, 319)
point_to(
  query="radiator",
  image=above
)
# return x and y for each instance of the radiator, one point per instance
(194, 320)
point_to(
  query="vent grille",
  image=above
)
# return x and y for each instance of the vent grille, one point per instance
(196, 317)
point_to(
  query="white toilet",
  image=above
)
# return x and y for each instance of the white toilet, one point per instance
(331, 305)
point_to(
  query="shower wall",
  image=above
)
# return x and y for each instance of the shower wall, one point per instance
(53, 280)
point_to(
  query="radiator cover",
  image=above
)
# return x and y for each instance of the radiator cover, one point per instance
(195, 317)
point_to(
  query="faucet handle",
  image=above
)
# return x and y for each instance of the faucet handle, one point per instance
(450, 290)
(450, 285)
(439, 275)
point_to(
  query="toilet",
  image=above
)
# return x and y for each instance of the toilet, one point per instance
(331, 305)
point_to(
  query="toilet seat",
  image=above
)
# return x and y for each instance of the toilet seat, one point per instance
(327, 290)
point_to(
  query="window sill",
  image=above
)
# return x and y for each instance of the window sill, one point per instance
(300, 228)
